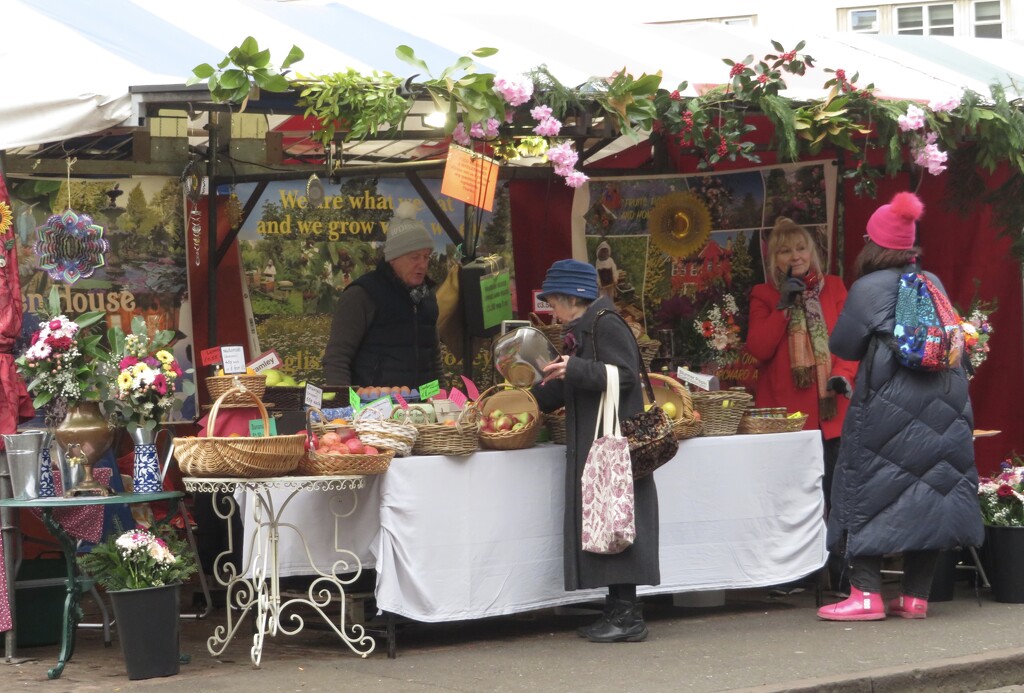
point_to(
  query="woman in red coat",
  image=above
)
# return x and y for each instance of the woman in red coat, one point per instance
(791, 317)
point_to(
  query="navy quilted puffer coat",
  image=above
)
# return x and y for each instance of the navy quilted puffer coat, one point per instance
(905, 480)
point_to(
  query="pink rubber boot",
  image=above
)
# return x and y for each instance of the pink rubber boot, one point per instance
(906, 606)
(859, 606)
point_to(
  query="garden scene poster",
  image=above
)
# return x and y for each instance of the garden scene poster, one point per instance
(679, 254)
(298, 256)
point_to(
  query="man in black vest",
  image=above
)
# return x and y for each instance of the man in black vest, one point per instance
(384, 329)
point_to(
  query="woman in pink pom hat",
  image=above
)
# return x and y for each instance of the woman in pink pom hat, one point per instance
(905, 482)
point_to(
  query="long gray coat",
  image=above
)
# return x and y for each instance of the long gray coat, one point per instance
(905, 480)
(581, 393)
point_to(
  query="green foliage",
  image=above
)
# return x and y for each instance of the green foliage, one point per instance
(251, 68)
(360, 105)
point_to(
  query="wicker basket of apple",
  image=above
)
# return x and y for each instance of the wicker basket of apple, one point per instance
(339, 452)
(457, 434)
(509, 418)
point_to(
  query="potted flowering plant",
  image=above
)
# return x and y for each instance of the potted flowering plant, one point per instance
(143, 393)
(142, 572)
(1001, 499)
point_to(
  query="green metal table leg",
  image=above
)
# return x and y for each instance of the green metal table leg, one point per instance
(72, 611)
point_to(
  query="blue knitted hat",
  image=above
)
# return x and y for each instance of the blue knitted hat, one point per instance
(570, 278)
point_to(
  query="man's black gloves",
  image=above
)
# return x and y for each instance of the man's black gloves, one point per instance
(839, 385)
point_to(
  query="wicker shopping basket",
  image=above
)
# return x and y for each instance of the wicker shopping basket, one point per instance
(721, 412)
(555, 421)
(555, 332)
(218, 385)
(509, 399)
(457, 439)
(374, 428)
(215, 456)
(685, 424)
(333, 464)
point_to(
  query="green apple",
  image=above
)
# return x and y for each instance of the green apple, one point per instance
(288, 381)
(329, 396)
(273, 378)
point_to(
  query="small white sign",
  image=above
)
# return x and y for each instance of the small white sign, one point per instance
(384, 405)
(266, 362)
(540, 306)
(232, 359)
(314, 396)
(704, 382)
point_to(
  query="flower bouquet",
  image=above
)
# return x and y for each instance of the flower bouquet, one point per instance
(138, 559)
(717, 325)
(1001, 496)
(60, 365)
(977, 330)
(147, 375)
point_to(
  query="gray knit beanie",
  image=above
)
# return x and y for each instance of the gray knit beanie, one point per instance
(406, 233)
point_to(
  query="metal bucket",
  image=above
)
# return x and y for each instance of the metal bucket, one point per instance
(23, 450)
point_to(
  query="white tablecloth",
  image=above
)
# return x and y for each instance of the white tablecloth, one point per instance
(463, 538)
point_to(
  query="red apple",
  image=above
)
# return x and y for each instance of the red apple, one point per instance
(355, 446)
(370, 450)
(503, 423)
(345, 434)
(496, 414)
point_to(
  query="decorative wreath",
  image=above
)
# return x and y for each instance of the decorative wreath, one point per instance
(71, 246)
(6, 218)
(680, 224)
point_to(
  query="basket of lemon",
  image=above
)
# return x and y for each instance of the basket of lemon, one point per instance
(677, 404)
(771, 420)
(721, 412)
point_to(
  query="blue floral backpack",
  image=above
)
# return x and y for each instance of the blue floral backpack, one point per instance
(928, 335)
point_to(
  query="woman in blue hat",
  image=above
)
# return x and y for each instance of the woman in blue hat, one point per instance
(576, 381)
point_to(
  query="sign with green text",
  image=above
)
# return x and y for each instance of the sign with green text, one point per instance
(496, 295)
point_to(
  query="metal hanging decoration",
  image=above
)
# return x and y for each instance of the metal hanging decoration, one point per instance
(193, 188)
(71, 246)
(314, 191)
(680, 224)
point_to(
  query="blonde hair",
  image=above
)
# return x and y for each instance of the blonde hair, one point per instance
(784, 231)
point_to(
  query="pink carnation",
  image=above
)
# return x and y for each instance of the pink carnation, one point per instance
(913, 120)
(127, 362)
(576, 179)
(54, 324)
(515, 90)
(160, 384)
(541, 112)
(563, 155)
(549, 127)
(460, 136)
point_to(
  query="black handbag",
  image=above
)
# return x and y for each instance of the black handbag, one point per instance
(651, 441)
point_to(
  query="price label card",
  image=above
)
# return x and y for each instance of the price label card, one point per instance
(704, 382)
(471, 390)
(384, 405)
(266, 361)
(353, 400)
(401, 401)
(210, 357)
(256, 429)
(314, 396)
(428, 390)
(233, 358)
(457, 398)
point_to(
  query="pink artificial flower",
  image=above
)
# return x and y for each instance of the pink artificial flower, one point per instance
(460, 136)
(944, 105)
(540, 112)
(549, 127)
(515, 90)
(35, 336)
(127, 362)
(913, 120)
(576, 179)
(563, 155)
(509, 115)
(160, 384)
(492, 127)
(476, 130)
(55, 324)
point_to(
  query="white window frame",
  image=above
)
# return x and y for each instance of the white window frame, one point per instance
(926, 27)
(877, 24)
(974, 17)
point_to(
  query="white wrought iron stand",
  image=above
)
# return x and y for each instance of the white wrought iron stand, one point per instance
(257, 585)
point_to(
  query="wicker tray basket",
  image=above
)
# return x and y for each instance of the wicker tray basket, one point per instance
(333, 464)
(555, 422)
(685, 424)
(555, 332)
(462, 438)
(249, 458)
(374, 429)
(721, 412)
(510, 399)
(218, 385)
(750, 425)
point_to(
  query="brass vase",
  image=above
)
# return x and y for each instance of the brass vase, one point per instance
(83, 436)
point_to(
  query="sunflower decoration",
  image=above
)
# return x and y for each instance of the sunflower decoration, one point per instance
(6, 218)
(679, 224)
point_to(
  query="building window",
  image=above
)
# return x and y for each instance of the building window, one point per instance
(925, 20)
(988, 19)
(864, 21)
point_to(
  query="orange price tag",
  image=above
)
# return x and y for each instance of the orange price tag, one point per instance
(469, 177)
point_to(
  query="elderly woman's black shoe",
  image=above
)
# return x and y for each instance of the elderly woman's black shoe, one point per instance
(606, 614)
(626, 624)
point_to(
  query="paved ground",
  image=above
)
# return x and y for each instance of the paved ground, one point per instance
(753, 642)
